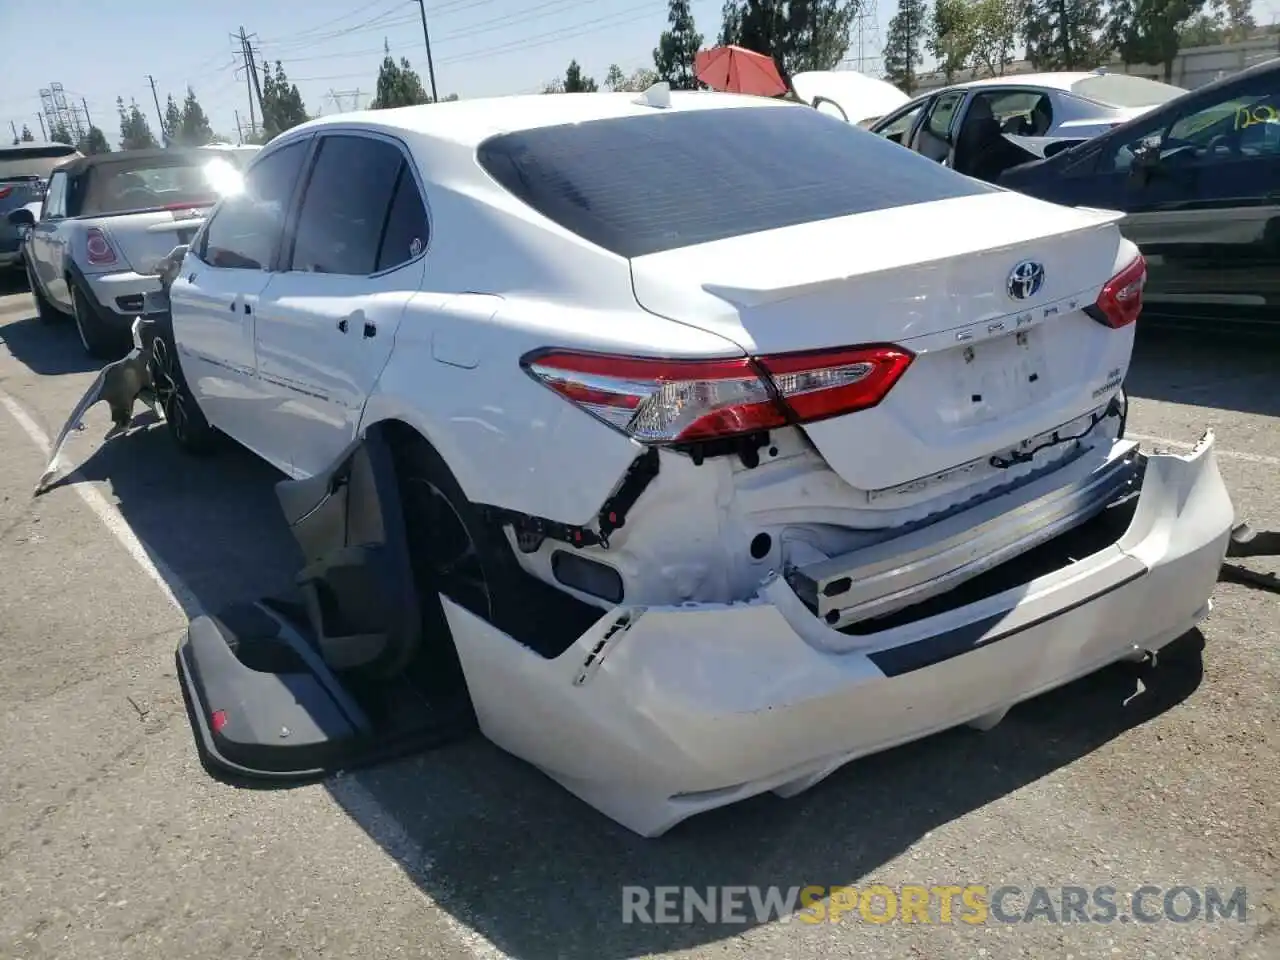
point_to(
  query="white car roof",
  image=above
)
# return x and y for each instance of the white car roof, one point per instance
(1049, 81)
(469, 122)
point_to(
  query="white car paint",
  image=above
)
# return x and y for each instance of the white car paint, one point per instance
(715, 680)
(852, 96)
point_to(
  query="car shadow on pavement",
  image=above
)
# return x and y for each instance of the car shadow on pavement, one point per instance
(47, 349)
(1205, 369)
(541, 875)
(515, 858)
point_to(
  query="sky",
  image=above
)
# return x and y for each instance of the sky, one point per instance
(328, 47)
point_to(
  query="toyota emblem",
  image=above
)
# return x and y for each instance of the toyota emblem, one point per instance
(1025, 280)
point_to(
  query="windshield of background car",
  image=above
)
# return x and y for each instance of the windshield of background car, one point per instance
(24, 172)
(1121, 90)
(644, 184)
(156, 184)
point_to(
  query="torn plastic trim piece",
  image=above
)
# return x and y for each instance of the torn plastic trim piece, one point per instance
(1118, 407)
(531, 530)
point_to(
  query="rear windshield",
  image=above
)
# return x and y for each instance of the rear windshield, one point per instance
(127, 186)
(644, 184)
(1120, 90)
(35, 162)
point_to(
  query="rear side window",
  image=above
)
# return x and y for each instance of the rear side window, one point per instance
(245, 229)
(644, 184)
(345, 206)
(406, 234)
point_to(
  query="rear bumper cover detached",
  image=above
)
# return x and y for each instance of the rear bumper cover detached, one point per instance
(659, 713)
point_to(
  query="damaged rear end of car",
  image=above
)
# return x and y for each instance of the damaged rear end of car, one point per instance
(900, 500)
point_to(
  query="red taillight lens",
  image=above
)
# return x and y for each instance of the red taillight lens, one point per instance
(677, 401)
(5, 191)
(1120, 301)
(98, 248)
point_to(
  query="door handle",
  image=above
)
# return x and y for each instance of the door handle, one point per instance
(342, 325)
(370, 329)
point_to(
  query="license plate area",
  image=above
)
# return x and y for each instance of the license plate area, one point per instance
(995, 377)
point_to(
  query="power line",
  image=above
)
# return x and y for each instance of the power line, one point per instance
(527, 43)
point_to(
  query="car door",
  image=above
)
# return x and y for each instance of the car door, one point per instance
(215, 296)
(1201, 194)
(47, 243)
(899, 125)
(328, 321)
(934, 136)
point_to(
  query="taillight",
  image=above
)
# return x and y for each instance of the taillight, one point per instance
(5, 191)
(677, 401)
(1120, 301)
(98, 248)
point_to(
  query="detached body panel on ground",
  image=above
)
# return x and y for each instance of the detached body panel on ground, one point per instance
(703, 495)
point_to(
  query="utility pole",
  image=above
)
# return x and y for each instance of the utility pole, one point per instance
(431, 70)
(239, 129)
(253, 72)
(87, 119)
(250, 77)
(164, 134)
(14, 127)
(43, 132)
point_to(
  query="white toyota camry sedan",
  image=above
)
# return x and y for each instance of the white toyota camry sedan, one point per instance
(818, 444)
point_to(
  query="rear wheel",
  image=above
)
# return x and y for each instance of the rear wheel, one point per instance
(454, 552)
(95, 337)
(183, 418)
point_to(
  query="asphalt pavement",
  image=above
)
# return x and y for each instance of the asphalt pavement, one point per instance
(115, 843)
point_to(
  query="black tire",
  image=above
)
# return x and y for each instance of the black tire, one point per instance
(44, 309)
(183, 418)
(454, 551)
(97, 339)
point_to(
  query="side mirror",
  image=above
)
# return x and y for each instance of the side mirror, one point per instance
(168, 267)
(22, 217)
(1146, 163)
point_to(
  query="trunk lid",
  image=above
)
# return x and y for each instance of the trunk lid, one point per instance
(144, 239)
(990, 370)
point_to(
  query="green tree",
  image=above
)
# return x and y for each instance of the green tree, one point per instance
(950, 36)
(677, 46)
(282, 106)
(575, 81)
(615, 78)
(398, 84)
(60, 134)
(135, 131)
(997, 25)
(172, 122)
(1065, 34)
(554, 85)
(95, 141)
(902, 52)
(1150, 31)
(799, 34)
(27, 135)
(193, 128)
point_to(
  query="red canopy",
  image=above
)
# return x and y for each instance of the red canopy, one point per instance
(738, 70)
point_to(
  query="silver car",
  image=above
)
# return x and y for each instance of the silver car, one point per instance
(24, 174)
(106, 223)
(967, 126)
